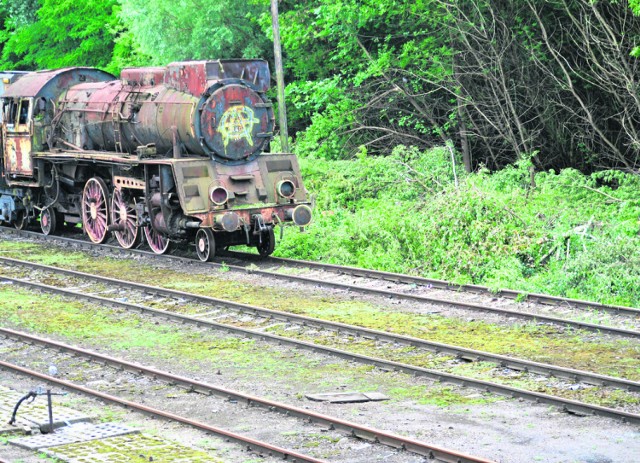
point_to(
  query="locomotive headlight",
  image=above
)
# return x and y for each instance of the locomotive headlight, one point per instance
(286, 188)
(219, 196)
(228, 222)
(301, 215)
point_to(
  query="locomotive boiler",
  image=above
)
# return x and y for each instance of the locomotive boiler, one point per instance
(174, 153)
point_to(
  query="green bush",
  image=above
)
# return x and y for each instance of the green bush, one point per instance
(571, 235)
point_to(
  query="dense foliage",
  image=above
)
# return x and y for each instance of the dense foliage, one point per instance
(574, 234)
(167, 31)
(58, 33)
(554, 79)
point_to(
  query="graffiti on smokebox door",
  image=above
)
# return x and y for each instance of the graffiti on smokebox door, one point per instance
(237, 123)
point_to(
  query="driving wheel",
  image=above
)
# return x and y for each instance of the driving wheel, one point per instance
(95, 209)
(124, 219)
(158, 242)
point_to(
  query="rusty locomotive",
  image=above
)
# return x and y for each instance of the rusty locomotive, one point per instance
(174, 153)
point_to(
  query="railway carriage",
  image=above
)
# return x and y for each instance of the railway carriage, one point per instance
(174, 153)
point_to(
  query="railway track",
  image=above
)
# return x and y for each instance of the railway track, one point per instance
(301, 321)
(251, 444)
(213, 306)
(520, 296)
(626, 315)
(329, 422)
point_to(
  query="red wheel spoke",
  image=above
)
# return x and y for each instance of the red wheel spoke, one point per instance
(123, 214)
(95, 211)
(157, 242)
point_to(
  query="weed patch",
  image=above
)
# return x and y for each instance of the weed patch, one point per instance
(573, 235)
(195, 350)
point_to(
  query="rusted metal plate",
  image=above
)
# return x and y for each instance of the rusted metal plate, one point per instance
(347, 397)
(17, 154)
(189, 77)
(195, 77)
(128, 182)
(143, 77)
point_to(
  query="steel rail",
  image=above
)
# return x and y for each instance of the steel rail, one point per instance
(251, 444)
(485, 386)
(367, 333)
(593, 327)
(356, 271)
(538, 298)
(354, 429)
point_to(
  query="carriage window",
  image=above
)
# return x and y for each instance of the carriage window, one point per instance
(24, 111)
(10, 108)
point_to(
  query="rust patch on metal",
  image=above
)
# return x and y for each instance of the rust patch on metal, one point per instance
(53, 83)
(17, 155)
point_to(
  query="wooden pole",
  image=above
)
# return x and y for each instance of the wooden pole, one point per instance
(277, 51)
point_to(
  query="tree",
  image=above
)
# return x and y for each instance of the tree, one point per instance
(501, 80)
(588, 46)
(167, 30)
(15, 14)
(61, 33)
(365, 57)
(20, 12)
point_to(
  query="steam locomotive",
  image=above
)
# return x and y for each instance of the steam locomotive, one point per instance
(173, 153)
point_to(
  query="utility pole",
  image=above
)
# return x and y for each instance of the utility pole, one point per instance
(277, 51)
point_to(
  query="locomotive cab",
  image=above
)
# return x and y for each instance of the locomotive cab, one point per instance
(10, 199)
(17, 133)
(28, 107)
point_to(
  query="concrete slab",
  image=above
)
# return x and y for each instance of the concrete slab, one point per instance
(34, 414)
(79, 432)
(20, 426)
(347, 397)
(128, 449)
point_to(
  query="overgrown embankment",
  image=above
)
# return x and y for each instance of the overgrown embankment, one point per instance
(572, 234)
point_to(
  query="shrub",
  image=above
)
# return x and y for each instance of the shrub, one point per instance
(572, 235)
